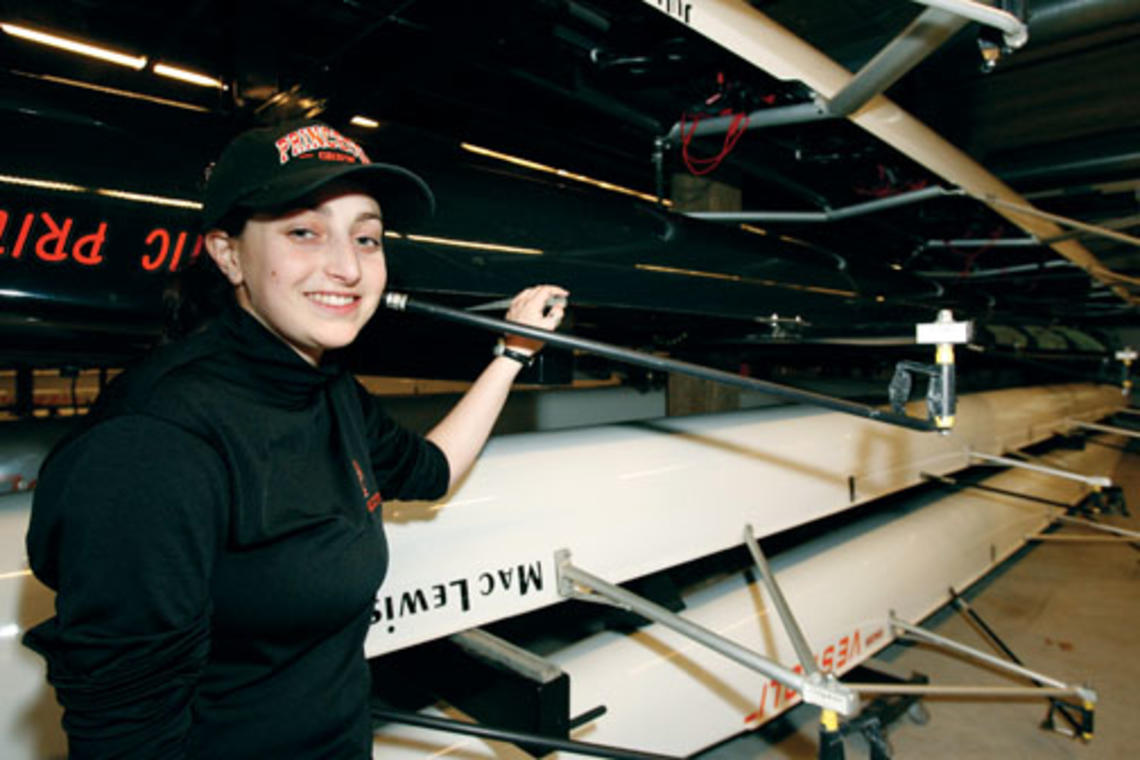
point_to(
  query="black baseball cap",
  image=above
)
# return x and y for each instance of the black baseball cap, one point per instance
(268, 168)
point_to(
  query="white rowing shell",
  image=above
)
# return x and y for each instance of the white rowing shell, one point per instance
(629, 500)
(665, 693)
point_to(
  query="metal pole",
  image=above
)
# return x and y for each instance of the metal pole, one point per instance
(799, 641)
(827, 215)
(797, 113)
(965, 608)
(997, 272)
(830, 738)
(701, 635)
(1123, 222)
(1099, 526)
(515, 737)
(966, 691)
(959, 486)
(910, 47)
(1014, 31)
(989, 243)
(829, 695)
(1094, 229)
(997, 662)
(1092, 480)
(401, 302)
(1068, 538)
(1104, 428)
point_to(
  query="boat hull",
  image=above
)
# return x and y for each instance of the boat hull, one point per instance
(666, 693)
(633, 499)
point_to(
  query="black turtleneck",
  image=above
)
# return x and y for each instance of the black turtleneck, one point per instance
(213, 532)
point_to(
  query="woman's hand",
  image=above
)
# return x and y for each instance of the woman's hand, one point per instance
(541, 306)
(462, 433)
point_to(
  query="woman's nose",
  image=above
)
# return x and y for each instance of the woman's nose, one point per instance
(341, 262)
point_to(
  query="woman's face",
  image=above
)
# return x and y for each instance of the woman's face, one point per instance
(313, 276)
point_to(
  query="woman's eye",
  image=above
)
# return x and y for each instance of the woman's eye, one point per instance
(368, 241)
(302, 233)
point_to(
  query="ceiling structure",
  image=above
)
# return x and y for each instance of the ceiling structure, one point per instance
(592, 87)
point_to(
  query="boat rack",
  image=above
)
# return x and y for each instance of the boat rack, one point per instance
(824, 690)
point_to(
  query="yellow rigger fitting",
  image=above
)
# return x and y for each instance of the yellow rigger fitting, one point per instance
(943, 333)
(1126, 357)
(944, 354)
(830, 720)
(1087, 735)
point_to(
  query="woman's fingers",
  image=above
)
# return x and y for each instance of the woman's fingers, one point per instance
(539, 306)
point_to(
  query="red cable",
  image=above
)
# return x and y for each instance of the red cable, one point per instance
(699, 166)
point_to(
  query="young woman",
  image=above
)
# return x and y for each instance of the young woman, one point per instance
(213, 530)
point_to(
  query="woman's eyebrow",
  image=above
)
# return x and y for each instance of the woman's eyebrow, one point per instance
(365, 216)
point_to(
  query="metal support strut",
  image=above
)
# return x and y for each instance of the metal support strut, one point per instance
(1104, 428)
(830, 735)
(1100, 526)
(1079, 718)
(1052, 688)
(959, 485)
(1096, 481)
(576, 583)
(1121, 534)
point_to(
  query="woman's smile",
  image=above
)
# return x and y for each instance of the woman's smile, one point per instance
(339, 303)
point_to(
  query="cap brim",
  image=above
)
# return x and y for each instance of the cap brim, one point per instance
(405, 199)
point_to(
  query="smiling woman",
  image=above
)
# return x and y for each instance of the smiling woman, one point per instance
(313, 276)
(214, 603)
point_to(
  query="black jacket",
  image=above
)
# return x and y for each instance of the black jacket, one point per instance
(213, 532)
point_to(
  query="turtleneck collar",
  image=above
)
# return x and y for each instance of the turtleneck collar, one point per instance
(256, 358)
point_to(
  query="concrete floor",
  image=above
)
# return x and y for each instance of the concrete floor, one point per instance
(1067, 610)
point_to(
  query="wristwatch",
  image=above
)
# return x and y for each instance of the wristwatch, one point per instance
(501, 349)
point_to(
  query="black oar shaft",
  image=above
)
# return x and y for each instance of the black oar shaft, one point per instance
(401, 302)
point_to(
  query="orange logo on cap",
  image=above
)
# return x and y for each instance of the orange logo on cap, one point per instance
(323, 142)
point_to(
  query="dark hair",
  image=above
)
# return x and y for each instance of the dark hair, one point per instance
(198, 293)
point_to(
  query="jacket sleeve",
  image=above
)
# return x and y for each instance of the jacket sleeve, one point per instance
(126, 523)
(406, 465)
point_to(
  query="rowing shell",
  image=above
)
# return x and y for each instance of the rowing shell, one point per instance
(633, 499)
(665, 693)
